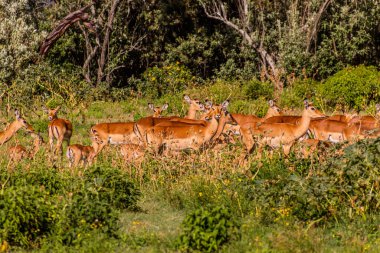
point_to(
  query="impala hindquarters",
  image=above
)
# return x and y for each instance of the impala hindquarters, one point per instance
(59, 129)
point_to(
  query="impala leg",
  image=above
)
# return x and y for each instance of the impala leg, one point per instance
(286, 149)
(247, 139)
(51, 141)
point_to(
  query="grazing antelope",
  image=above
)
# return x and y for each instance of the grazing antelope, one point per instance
(157, 110)
(132, 153)
(180, 136)
(12, 129)
(366, 123)
(78, 153)
(60, 129)
(19, 152)
(278, 135)
(116, 133)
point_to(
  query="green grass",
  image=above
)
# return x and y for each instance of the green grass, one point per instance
(173, 187)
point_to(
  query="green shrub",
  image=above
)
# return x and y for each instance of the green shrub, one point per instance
(113, 186)
(207, 230)
(27, 214)
(254, 89)
(294, 94)
(353, 86)
(158, 81)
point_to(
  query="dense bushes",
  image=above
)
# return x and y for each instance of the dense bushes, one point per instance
(355, 87)
(46, 204)
(207, 230)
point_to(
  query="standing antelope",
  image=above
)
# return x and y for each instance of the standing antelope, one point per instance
(78, 153)
(19, 152)
(12, 129)
(195, 105)
(60, 129)
(278, 135)
(178, 135)
(157, 110)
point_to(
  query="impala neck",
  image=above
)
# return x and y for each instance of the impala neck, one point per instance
(212, 127)
(303, 126)
(221, 125)
(9, 132)
(192, 112)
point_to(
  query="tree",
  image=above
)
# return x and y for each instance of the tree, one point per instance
(19, 38)
(260, 24)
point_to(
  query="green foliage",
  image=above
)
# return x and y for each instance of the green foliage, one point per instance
(255, 89)
(297, 91)
(44, 204)
(354, 86)
(207, 230)
(170, 79)
(27, 214)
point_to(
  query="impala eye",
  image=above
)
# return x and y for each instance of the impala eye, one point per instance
(312, 108)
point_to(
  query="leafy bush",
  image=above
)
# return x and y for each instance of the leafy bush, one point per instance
(295, 93)
(255, 89)
(207, 230)
(113, 186)
(171, 79)
(27, 214)
(353, 86)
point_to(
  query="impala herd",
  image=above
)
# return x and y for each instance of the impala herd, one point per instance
(169, 135)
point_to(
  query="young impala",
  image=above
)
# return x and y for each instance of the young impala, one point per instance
(78, 153)
(59, 129)
(12, 129)
(19, 152)
(278, 135)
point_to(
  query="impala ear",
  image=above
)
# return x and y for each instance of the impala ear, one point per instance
(165, 106)
(151, 106)
(57, 109)
(271, 103)
(17, 114)
(187, 99)
(225, 105)
(306, 103)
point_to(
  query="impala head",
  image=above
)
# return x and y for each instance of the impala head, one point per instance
(157, 110)
(311, 111)
(218, 111)
(194, 103)
(52, 113)
(273, 109)
(22, 122)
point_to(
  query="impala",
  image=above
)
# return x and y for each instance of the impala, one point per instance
(19, 152)
(242, 119)
(181, 136)
(144, 124)
(157, 110)
(60, 129)
(195, 106)
(78, 153)
(12, 129)
(278, 135)
(132, 153)
(367, 122)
